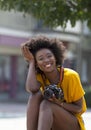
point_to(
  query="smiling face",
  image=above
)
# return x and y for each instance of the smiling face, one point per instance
(45, 60)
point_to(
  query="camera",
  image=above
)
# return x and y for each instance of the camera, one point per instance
(53, 89)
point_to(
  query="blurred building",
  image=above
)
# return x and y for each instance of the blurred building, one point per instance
(16, 29)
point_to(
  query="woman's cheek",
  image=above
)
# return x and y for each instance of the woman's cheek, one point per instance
(39, 65)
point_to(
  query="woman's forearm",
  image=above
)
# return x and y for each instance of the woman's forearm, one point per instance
(71, 107)
(32, 84)
(74, 108)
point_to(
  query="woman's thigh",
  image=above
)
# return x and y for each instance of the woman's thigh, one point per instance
(63, 120)
(33, 110)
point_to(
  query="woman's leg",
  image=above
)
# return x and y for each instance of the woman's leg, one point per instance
(63, 119)
(45, 119)
(55, 117)
(33, 110)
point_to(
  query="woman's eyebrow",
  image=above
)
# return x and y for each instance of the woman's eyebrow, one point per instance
(45, 54)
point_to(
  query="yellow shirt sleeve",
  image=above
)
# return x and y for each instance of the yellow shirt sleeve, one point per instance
(71, 85)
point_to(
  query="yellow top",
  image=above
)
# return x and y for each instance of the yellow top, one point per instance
(72, 90)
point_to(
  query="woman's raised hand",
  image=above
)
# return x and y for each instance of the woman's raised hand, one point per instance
(28, 56)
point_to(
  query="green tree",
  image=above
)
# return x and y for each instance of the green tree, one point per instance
(52, 12)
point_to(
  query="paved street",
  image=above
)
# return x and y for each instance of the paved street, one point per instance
(87, 119)
(13, 117)
(12, 123)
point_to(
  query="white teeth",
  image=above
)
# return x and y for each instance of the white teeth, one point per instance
(48, 65)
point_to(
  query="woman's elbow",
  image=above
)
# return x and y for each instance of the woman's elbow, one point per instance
(79, 109)
(32, 89)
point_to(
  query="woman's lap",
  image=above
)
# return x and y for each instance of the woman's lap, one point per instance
(62, 119)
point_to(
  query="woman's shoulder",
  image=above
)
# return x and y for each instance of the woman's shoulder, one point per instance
(70, 72)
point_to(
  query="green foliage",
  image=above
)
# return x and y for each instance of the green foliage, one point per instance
(88, 96)
(52, 12)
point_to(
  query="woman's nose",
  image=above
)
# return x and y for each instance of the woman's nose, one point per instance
(46, 60)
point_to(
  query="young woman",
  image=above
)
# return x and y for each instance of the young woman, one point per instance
(45, 58)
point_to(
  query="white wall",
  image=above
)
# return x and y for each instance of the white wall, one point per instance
(16, 21)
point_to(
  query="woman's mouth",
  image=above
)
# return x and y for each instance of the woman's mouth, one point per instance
(48, 65)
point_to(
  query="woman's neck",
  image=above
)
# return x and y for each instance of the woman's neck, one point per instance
(53, 77)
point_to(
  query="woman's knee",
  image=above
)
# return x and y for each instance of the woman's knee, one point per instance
(34, 98)
(45, 104)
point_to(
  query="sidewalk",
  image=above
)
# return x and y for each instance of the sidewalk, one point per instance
(19, 108)
(15, 110)
(12, 109)
(87, 119)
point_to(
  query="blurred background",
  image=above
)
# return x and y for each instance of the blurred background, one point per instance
(19, 24)
(70, 21)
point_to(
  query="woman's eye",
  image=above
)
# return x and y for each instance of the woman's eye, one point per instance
(43, 58)
(49, 56)
(40, 59)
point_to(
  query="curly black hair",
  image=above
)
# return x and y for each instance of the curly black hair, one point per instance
(54, 45)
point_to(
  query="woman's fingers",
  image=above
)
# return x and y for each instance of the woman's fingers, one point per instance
(26, 52)
(53, 98)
